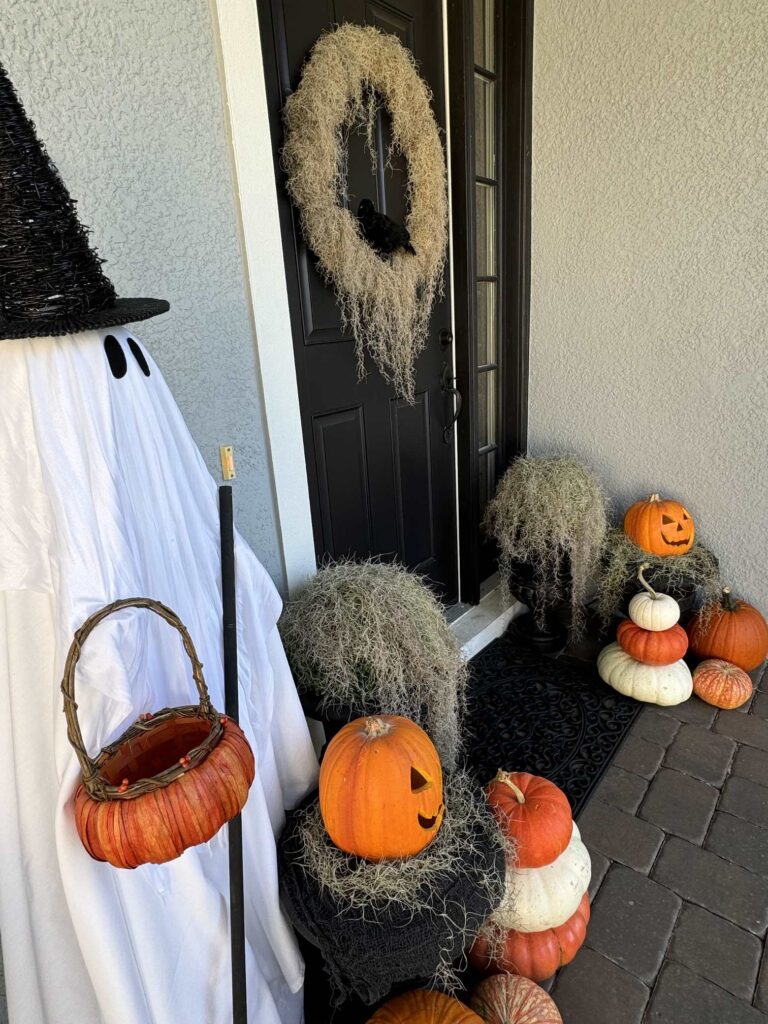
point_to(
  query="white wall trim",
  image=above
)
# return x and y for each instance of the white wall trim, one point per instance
(239, 42)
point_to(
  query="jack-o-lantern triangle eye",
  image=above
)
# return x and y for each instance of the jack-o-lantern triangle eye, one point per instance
(666, 520)
(419, 782)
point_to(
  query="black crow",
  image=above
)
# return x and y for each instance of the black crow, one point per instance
(383, 234)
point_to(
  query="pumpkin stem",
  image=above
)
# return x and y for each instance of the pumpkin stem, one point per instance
(728, 602)
(644, 581)
(506, 779)
(376, 727)
(654, 497)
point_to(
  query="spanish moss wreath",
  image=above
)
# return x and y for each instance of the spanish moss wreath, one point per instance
(352, 73)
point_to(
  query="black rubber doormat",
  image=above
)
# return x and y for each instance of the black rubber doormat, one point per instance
(549, 716)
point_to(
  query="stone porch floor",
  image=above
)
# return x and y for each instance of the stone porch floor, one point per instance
(678, 833)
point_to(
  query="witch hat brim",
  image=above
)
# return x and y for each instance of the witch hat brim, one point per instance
(51, 279)
(124, 311)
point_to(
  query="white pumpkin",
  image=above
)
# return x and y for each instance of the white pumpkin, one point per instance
(654, 684)
(650, 610)
(541, 898)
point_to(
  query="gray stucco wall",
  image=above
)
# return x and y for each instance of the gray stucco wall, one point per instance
(127, 98)
(649, 318)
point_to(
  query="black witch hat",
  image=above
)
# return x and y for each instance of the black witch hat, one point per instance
(51, 281)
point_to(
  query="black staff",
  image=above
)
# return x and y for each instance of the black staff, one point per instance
(231, 705)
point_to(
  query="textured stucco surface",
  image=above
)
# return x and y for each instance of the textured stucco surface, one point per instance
(649, 317)
(128, 100)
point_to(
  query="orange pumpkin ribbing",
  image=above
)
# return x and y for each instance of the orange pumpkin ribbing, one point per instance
(735, 632)
(534, 812)
(659, 647)
(721, 684)
(424, 1007)
(534, 955)
(381, 788)
(158, 826)
(511, 999)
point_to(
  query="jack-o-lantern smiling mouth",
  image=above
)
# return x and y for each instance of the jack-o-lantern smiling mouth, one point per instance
(427, 823)
(675, 543)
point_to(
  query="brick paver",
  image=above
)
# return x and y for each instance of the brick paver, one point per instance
(701, 753)
(620, 836)
(678, 832)
(680, 805)
(716, 949)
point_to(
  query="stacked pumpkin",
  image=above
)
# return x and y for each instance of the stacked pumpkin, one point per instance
(646, 660)
(543, 917)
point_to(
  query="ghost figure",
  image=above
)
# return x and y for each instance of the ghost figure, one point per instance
(104, 495)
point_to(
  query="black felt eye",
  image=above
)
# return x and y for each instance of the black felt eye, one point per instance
(140, 358)
(118, 364)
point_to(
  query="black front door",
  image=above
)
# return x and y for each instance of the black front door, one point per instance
(381, 474)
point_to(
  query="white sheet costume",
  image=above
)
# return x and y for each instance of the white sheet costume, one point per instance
(103, 495)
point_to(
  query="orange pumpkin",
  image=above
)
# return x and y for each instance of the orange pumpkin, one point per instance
(721, 684)
(662, 527)
(157, 826)
(652, 647)
(511, 999)
(533, 812)
(381, 788)
(734, 631)
(423, 1007)
(534, 955)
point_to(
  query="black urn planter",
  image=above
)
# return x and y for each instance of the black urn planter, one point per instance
(548, 636)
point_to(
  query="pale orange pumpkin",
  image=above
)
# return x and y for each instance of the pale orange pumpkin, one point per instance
(660, 526)
(381, 788)
(512, 999)
(734, 631)
(424, 1007)
(534, 812)
(652, 647)
(534, 955)
(721, 684)
(157, 826)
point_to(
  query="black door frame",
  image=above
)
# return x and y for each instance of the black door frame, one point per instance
(515, 72)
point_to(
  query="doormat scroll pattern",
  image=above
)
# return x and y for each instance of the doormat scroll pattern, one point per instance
(548, 716)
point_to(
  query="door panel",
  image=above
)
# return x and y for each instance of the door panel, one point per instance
(381, 477)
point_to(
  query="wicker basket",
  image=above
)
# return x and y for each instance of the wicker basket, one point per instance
(170, 781)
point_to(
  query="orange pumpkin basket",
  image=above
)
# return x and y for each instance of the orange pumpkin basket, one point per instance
(170, 781)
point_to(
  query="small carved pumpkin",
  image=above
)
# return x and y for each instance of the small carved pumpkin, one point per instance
(533, 812)
(381, 788)
(721, 684)
(511, 999)
(535, 955)
(424, 1007)
(654, 684)
(662, 527)
(536, 899)
(651, 610)
(735, 632)
(652, 647)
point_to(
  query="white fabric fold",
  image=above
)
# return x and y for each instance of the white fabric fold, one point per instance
(104, 495)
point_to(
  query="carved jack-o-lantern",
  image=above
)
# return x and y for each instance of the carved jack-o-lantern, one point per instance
(381, 788)
(662, 527)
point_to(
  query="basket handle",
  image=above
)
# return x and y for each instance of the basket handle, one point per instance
(87, 764)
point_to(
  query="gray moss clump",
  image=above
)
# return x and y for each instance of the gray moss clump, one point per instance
(697, 568)
(550, 513)
(370, 636)
(465, 841)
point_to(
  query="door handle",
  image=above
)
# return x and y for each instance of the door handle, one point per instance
(448, 387)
